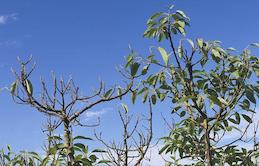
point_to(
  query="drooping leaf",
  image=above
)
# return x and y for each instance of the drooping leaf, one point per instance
(180, 23)
(180, 50)
(13, 87)
(233, 121)
(215, 53)
(250, 95)
(163, 149)
(181, 13)
(223, 101)
(45, 161)
(82, 137)
(145, 95)
(29, 87)
(119, 92)
(133, 96)
(134, 69)
(191, 43)
(153, 99)
(181, 30)
(164, 55)
(80, 145)
(247, 118)
(125, 107)
(237, 116)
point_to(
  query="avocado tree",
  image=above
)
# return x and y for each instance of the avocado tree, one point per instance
(135, 142)
(63, 101)
(8, 157)
(213, 93)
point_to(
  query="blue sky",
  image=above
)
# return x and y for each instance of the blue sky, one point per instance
(87, 39)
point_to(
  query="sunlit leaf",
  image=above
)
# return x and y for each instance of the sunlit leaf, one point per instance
(29, 87)
(164, 55)
(125, 107)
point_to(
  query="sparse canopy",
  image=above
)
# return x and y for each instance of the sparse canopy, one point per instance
(212, 93)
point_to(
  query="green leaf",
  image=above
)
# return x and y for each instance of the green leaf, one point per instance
(236, 74)
(45, 161)
(82, 137)
(134, 69)
(181, 30)
(93, 158)
(250, 95)
(200, 42)
(144, 70)
(129, 60)
(108, 93)
(191, 43)
(13, 87)
(104, 162)
(182, 114)
(215, 53)
(180, 23)
(231, 49)
(164, 54)
(186, 98)
(9, 148)
(233, 121)
(133, 96)
(225, 122)
(176, 109)
(229, 128)
(29, 87)
(180, 50)
(125, 107)
(255, 44)
(153, 99)
(162, 96)
(163, 148)
(181, 13)
(80, 145)
(247, 118)
(99, 151)
(55, 137)
(145, 95)
(214, 99)
(160, 37)
(223, 101)
(154, 16)
(120, 92)
(237, 118)
(53, 150)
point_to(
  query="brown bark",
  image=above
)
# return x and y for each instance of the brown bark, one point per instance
(208, 151)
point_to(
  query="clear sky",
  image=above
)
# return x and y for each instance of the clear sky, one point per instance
(88, 38)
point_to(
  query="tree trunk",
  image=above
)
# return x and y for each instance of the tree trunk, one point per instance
(208, 151)
(68, 142)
